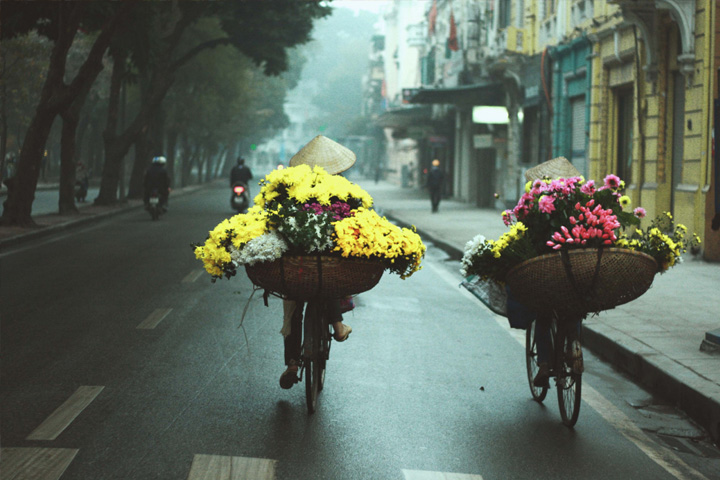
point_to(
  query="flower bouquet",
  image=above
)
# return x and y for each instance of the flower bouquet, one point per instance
(573, 249)
(311, 234)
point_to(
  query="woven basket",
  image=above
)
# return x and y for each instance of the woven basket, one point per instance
(299, 277)
(590, 281)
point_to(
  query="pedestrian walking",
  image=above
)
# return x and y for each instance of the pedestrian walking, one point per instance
(435, 179)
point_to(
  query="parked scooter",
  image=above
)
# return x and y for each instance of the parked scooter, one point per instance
(240, 199)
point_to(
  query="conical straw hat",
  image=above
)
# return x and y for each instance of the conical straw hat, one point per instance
(323, 152)
(558, 167)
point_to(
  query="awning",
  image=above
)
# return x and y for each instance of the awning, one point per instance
(489, 93)
(403, 117)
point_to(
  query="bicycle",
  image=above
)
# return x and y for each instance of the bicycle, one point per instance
(315, 351)
(566, 367)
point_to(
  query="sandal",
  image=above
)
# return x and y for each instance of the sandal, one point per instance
(347, 330)
(290, 376)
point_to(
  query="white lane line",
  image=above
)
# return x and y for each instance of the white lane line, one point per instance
(664, 457)
(65, 414)
(35, 463)
(154, 318)
(218, 467)
(425, 475)
(193, 276)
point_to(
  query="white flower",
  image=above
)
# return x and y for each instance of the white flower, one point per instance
(472, 248)
(265, 248)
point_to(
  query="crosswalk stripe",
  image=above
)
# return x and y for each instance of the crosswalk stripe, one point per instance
(219, 467)
(154, 318)
(65, 413)
(35, 463)
(192, 276)
(426, 475)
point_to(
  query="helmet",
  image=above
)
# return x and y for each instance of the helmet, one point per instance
(161, 160)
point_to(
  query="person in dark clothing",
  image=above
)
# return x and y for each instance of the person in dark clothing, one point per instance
(240, 173)
(157, 178)
(435, 180)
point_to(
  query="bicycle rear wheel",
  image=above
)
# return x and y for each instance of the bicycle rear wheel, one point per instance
(313, 356)
(569, 381)
(531, 362)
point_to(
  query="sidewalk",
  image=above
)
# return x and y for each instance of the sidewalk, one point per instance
(655, 338)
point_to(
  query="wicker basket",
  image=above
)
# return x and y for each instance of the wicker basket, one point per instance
(300, 277)
(585, 281)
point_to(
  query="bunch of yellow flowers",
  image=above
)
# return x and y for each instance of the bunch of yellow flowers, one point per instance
(304, 184)
(368, 235)
(302, 210)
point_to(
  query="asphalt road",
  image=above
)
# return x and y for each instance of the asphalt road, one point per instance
(121, 360)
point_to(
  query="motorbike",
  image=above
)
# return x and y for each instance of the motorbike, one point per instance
(240, 199)
(154, 206)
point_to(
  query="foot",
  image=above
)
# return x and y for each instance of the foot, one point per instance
(342, 332)
(290, 376)
(542, 379)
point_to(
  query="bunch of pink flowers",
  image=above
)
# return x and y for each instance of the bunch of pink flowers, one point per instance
(597, 223)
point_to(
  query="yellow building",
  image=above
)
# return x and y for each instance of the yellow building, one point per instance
(651, 106)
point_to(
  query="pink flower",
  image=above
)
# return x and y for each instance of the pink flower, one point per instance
(639, 212)
(612, 181)
(546, 204)
(507, 217)
(588, 188)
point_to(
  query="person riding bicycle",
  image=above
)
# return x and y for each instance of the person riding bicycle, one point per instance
(335, 159)
(157, 178)
(554, 168)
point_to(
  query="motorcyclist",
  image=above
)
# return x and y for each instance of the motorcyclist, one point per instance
(157, 178)
(240, 173)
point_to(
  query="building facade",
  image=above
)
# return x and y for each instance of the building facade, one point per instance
(615, 86)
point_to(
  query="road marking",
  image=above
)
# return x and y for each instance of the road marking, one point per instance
(65, 414)
(35, 463)
(218, 467)
(193, 276)
(664, 457)
(154, 318)
(423, 475)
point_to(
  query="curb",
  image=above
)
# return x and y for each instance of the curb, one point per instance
(659, 379)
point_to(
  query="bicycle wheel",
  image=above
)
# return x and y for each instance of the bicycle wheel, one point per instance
(313, 356)
(538, 393)
(569, 382)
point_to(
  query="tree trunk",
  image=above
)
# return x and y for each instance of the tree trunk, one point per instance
(56, 96)
(66, 202)
(143, 156)
(68, 146)
(171, 146)
(18, 206)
